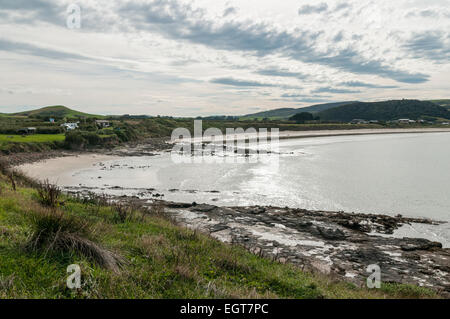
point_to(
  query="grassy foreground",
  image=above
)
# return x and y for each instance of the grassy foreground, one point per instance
(127, 253)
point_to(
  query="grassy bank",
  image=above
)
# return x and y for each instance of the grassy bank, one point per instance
(30, 143)
(125, 252)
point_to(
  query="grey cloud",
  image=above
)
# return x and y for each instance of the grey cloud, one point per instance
(291, 96)
(350, 60)
(102, 67)
(36, 10)
(229, 11)
(329, 89)
(30, 49)
(35, 5)
(339, 37)
(431, 45)
(282, 73)
(310, 9)
(241, 83)
(428, 13)
(358, 84)
(313, 100)
(342, 6)
(181, 22)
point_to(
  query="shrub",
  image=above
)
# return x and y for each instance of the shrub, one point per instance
(92, 138)
(124, 212)
(74, 140)
(49, 130)
(48, 194)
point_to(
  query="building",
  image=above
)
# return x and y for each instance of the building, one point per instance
(102, 123)
(359, 121)
(403, 121)
(27, 130)
(70, 126)
(51, 120)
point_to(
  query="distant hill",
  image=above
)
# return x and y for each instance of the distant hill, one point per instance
(385, 111)
(284, 113)
(443, 103)
(57, 111)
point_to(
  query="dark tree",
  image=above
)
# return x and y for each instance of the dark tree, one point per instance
(301, 118)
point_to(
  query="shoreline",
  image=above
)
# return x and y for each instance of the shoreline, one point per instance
(327, 133)
(152, 146)
(337, 132)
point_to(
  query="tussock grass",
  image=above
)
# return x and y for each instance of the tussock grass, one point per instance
(53, 231)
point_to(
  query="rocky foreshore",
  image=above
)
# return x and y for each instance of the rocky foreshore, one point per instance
(335, 243)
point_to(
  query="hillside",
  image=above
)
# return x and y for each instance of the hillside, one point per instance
(385, 111)
(288, 112)
(443, 103)
(57, 111)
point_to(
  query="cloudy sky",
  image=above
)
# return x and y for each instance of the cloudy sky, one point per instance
(203, 57)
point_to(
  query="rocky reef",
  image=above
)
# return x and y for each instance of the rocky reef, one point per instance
(335, 243)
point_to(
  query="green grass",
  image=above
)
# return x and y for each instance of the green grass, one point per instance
(30, 143)
(36, 138)
(162, 260)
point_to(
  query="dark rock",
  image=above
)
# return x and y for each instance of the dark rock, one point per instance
(332, 234)
(178, 205)
(204, 208)
(419, 244)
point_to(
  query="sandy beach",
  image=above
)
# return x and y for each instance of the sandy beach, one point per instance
(62, 168)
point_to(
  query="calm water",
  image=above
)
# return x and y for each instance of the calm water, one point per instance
(405, 174)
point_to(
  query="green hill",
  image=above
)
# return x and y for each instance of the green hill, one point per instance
(57, 111)
(284, 113)
(385, 111)
(443, 103)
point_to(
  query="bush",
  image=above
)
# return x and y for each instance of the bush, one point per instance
(48, 194)
(49, 130)
(74, 140)
(81, 139)
(92, 138)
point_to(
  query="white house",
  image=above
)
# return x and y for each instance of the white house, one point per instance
(359, 121)
(70, 126)
(103, 123)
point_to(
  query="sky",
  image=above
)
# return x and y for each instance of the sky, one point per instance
(231, 57)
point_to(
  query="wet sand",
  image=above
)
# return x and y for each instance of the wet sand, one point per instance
(58, 168)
